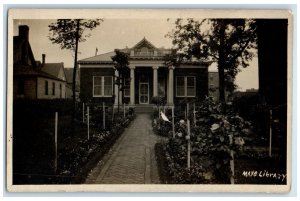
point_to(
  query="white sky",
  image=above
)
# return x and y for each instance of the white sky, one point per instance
(112, 34)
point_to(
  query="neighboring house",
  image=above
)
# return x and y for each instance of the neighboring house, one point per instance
(31, 79)
(69, 77)
(148, 77)
(248, 92)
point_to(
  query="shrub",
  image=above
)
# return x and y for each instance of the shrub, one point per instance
(211, 144)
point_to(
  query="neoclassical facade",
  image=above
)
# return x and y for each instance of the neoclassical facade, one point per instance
(148, 77)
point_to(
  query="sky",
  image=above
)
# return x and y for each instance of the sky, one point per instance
(116, 33)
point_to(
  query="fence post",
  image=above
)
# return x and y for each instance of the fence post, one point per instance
(55, 141)
(103, 107)
(231, 161)
(187, 110)
(88, 122)
(188, 144)
(173, 126)
(83, 113)
(124, 110)
(159, 112)
(194, 114)
(270, 140)
(113, 113)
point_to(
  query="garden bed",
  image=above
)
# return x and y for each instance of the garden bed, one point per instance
(216, 133)
(33, 143)
(248, 170)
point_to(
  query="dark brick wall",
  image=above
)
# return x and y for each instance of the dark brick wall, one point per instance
(86, 84)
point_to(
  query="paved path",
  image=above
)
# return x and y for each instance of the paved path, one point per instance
(132, 158)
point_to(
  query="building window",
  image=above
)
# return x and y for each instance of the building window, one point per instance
(102, 86)
(185, 86)
(127, 87)
(46, 87)
(108, 86)
(53, 88)
(97, 86)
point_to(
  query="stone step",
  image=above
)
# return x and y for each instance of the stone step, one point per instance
(143, 108)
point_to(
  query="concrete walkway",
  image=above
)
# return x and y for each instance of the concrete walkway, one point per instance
(132, 159)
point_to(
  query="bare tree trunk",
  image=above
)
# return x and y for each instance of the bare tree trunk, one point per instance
(119, 96)
(75, 67)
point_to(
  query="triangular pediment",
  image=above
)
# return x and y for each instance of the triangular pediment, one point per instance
(144, 43)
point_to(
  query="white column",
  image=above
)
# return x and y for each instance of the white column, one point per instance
(116, 88)
(171, 86)
(155, 81)
(132, 93)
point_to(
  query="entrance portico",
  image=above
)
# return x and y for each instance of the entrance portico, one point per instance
(150, 81)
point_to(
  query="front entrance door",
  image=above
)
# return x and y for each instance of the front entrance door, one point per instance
(144, 93)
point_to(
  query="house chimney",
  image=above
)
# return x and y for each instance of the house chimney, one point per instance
(24, 32)
(43, 59)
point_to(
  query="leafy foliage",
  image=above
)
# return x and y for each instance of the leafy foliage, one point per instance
(121, 65)
(159, 100)
(229, 42)
(68, 33)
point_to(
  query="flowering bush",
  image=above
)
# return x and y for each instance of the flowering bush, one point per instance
(162, 128)
(216, 135)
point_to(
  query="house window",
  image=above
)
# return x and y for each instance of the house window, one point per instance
(108, 83)
(97, 86)
(46, 87)
(185, 86)
(102, 86)
(127, 87)
(53, 88)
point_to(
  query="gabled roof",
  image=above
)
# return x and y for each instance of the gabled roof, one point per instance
(106, 57)
(69, 75)
(144, 43)
(24, 61)
(52, 68)
(22, 70)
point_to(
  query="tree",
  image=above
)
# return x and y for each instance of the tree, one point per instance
(68, 33)
(228, 42)
(121, 64)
